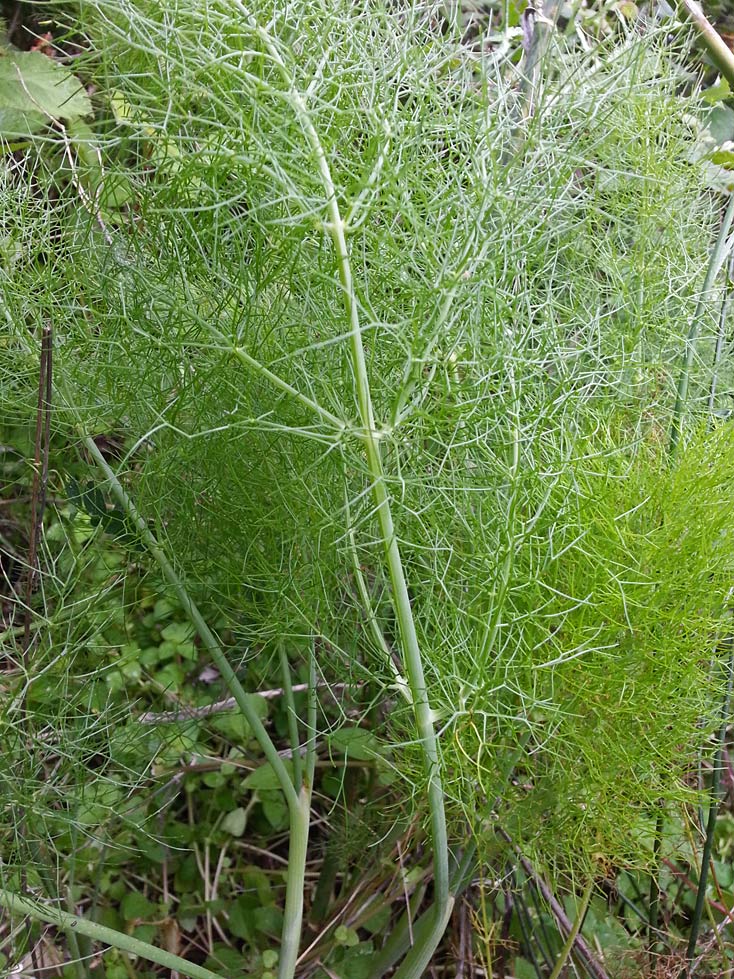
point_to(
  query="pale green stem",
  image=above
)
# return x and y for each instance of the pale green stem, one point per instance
(404, 933)
(401, 599)
(290, 704)
(27, 907)
(311, 715)
(565, 953)
(718, 257)
(298, 847)
(720, 54)
(400, 942)
(300, 820)
(427, 933)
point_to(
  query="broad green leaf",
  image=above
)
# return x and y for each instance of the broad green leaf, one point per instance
(524, 970)
(270, 958)
(256, 883)
(227, 961)
(377, 924)
(122, 111)
(268, 920)
(716, 93)
(240, 920)
(233, 726)
(356, 743)
(178, 632)
(275, 809)
(145, 933)
(356, 961)
(264, 777)
(724, 157)
(234, 822)
(36, 90)
(136, 906)
(346, 936)
(720, 124)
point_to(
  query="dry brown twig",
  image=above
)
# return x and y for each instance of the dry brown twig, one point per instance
(219, 706)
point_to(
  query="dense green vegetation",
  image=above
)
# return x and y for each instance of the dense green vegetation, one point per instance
(366, 526)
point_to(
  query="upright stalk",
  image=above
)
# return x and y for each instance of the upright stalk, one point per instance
(300, 819)
(311, 715)
(401, 599)
(718, 257)
(443, 901)
(407, 928)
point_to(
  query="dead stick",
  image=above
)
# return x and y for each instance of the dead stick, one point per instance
(194, 713)
(590, 961)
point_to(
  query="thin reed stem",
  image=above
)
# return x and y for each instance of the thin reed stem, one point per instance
(300, 822)
(399, 941)
(712, 813)
(654, 902)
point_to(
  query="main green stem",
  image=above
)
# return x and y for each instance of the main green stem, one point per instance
(300, 821)
(443, 902)
(290, 703)
(401, 598)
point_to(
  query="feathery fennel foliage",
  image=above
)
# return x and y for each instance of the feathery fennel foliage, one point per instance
(523, 287)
